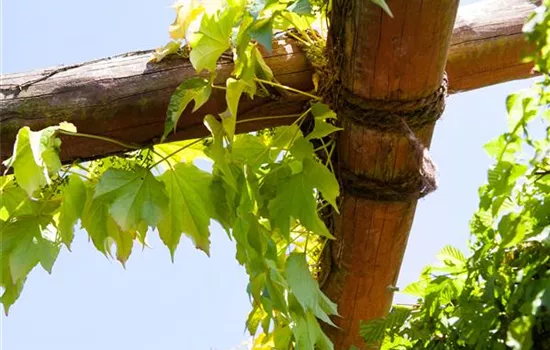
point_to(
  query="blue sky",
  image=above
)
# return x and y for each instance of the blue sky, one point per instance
(197, 303)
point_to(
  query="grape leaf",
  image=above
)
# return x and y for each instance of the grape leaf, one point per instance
(212, 39)
(103, 229)
(186, 12)
(322, 129)
(195, 89)
(217, 152)
(190, 207)
(300, 281)
(35, 156)
(322, 179)
(322, 111)
(12, 198)
(169, 49)
(233, 94)
(74, 197)
(301, 7)
(295, 199)
(132, 196)
(262, 32)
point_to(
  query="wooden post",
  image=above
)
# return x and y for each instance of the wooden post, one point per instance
(399, 59)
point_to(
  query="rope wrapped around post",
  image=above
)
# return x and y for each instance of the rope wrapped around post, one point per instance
(402, 117)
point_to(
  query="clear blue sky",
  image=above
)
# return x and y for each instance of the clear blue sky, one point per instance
(90, 303)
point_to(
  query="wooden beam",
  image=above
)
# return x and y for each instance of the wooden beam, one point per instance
(498, 25)
(399, 59)
(126, 97)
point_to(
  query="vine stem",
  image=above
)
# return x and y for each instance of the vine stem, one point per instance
(287, 88)
(268, 118)
(176, 151)
(97, 137)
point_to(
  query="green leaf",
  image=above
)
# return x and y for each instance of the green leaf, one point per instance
(452, 255)
(262, 32)
(12, 199)
(162, 52)
(301, 7)
(103, 229)
(235, 89)
(295, 199)
(417, 288)
(322, 129)
(300, 281)
(194, 89)
(35, 156)
(74, 197)
(211, 40)
(301, 149)
(190, 207)
(384, 6)
(186, 13)
(519, 333)
(24, 255)
(322, 111)
(250, 149)
(217, 152)
(323, 179)
(233, 94)
(261, 69)
(132, 196)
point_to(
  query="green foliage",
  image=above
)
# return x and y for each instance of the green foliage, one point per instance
(499, 297)
(265, 189)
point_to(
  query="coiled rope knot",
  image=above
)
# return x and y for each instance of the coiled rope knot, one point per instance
(401, 117)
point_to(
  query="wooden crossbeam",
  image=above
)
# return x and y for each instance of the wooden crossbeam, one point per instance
(126, 97)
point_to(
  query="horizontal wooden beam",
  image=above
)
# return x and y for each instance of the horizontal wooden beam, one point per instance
(487, 46)
(125, 97)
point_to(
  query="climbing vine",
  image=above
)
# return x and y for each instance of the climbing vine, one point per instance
(266, 189)
(499, 297)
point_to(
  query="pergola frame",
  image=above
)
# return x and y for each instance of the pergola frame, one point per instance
(382, 59)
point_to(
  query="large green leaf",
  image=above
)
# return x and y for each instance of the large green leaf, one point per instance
(71, 209)
(35, 156)
(300, 281)
(103, 229)
(212, 39)
(301, 7)
(132, 197)
(295, 199)
(262, 32)
(194, 89)
(190, 207)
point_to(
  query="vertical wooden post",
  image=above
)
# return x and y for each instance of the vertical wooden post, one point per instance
(383, 58)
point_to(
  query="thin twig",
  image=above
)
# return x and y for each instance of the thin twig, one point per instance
(287, 88)
(97, 137)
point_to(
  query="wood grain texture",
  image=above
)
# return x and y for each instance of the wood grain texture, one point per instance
(384, 59)
(126, 97)
(498, 24)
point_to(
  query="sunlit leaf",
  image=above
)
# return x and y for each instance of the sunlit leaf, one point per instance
(132, 196)
(190, 207)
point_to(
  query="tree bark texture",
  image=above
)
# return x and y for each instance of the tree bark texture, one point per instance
(126, 97)
(393, 60)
